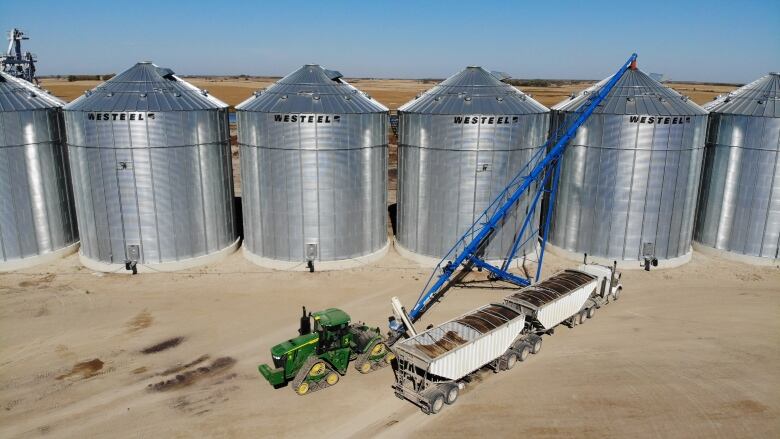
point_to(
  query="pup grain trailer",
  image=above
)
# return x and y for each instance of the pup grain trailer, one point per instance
(568, 296)
(434, 365)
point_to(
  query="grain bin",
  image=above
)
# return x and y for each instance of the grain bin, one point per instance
(37, 216)
(314, 173)
(152, 176)
(630, 176)
(739, 204)
(460, 144)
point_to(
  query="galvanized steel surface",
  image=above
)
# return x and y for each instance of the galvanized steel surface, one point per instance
(313, 169)
(460, 144)
(556, 298)
(630, 176)
(454, 349)
(37, 215)
(151, 166)
(739, 204)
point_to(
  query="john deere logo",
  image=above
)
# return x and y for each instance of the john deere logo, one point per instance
(307, 118)
(660, 120)
(133, 115)
(485, 120)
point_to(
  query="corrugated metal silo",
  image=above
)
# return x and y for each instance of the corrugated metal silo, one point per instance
(151, 166)
(630, 176)
(37, 217)
(460, 143)
(314, 172)
(739, 204)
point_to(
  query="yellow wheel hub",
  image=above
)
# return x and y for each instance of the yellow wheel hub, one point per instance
(379, 349)
(302, 389)
(332, 379)
(317, 370)
(365, 367)
(389, 357)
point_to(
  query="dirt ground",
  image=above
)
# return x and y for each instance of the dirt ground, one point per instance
(688, 353)
(391, 92)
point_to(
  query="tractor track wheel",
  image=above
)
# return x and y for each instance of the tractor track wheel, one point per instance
(378, 349)
(332, 378)
(318, 369)
(365, 367)
(581, 319)
(302, 388)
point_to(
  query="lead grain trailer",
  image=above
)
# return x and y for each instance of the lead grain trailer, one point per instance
(434, 365)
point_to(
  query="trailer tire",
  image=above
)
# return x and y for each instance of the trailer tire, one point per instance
(616, 294)
(510, 361)
(452, 395)
(437, 403)
(525, 351)
(581, 317)
(591, 312)
(537, 346)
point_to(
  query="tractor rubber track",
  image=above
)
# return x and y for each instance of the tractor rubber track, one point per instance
(375, 365)
(303, 372)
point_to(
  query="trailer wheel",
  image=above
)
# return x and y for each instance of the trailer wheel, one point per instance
(510, 361)
(452, 395)
(616, 294)
(437, 403)
(524, 352)
(591, 312)
(581, 317)
(537, 346)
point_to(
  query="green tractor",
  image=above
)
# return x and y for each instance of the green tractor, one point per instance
(315, 359)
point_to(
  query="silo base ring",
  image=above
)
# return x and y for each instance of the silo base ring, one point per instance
(622, 264)
(164, 267)
(46, 258)
(735, 257)
(344, 264)
(430, 261)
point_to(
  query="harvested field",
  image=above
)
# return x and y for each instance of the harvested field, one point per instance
(391, 92)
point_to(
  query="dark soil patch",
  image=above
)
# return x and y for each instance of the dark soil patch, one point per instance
(36, 282)
(181, 367)
(140, 321)
(162, 346)
(190, 377)
(87, 369)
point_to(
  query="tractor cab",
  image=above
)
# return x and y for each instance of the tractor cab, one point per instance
(332, 329)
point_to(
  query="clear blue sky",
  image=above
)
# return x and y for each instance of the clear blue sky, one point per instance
(713, 40)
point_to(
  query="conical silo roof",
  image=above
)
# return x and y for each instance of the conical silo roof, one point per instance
(474, 90)
(19, 95)
(635, 93)
(759, 98)
(145, 87)
(312, 89)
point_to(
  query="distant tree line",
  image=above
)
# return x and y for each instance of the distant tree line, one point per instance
(71, 78)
